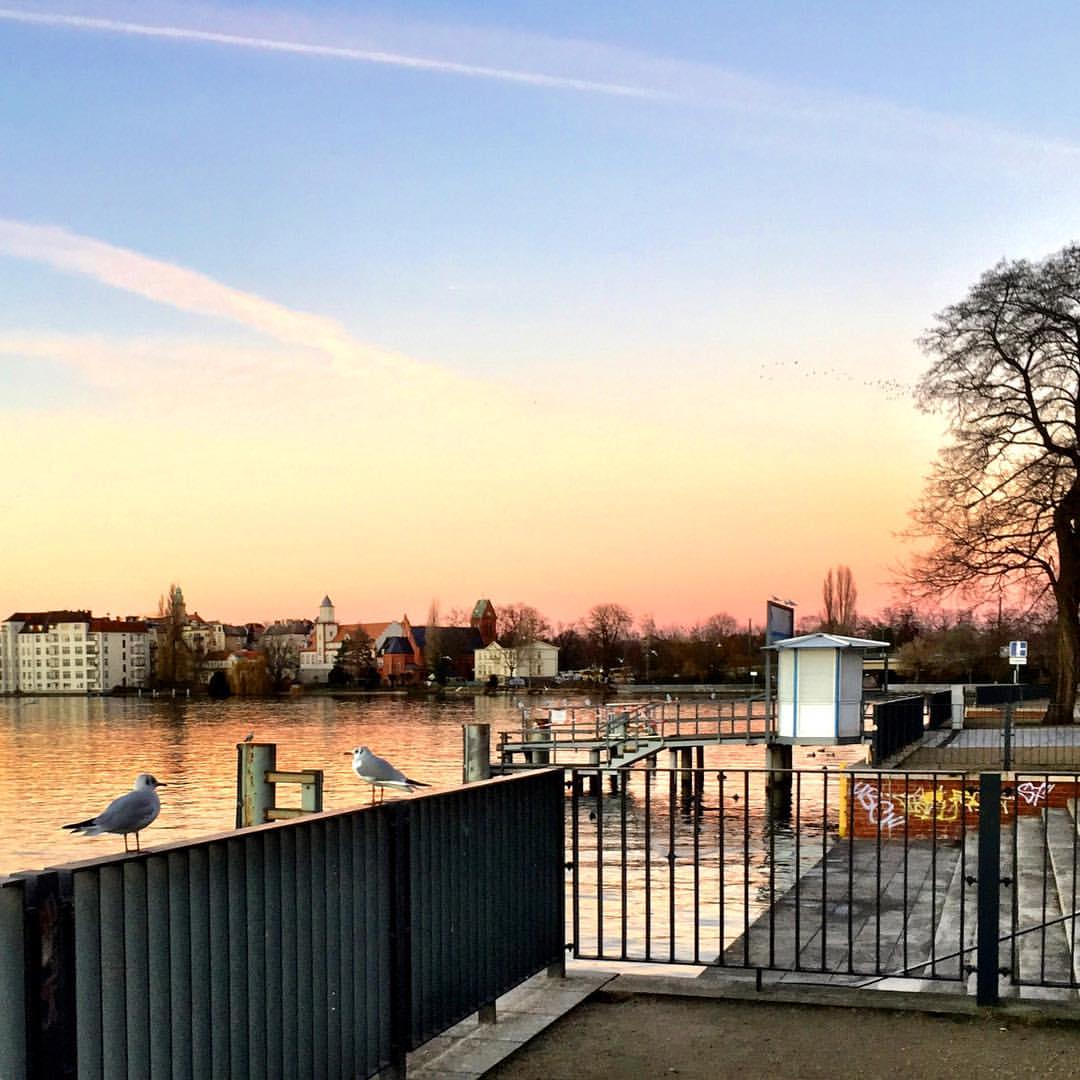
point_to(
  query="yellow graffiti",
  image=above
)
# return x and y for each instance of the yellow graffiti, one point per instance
(888, 808)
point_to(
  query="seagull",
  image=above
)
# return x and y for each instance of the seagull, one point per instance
(379, 773)
(128, 814)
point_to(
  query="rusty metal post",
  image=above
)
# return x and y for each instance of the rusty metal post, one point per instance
(254, 795)
(476, 752)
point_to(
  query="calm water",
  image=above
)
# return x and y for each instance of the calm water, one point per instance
(63, 759)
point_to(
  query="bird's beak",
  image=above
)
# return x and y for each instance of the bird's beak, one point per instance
(348, 754)
(160, 784)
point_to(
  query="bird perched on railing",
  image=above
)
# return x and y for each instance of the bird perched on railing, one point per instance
(380, 774)
(130, 813)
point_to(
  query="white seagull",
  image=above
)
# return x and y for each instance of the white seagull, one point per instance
(129, 813)
(379, 773)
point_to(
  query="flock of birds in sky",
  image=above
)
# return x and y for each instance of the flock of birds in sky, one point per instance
(131, 813)
(891, 389)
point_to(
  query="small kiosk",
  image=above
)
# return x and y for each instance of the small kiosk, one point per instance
(819, 688)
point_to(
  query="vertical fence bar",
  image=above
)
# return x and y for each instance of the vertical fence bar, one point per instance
(179, 953)
(88, 977)
(986, 985)
(575, 860)
(672, 811)
(159, 982)
(824, 869)
(746, 867)
(624, 777)
(798, 871)
(722, 867)
(850, 789)
(599, 863)
(400, 937)
(648, 863)
(933, 876)
(136, 968)
(113, 1010)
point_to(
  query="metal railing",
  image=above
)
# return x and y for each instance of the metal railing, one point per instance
(328, 945)
(856, 875)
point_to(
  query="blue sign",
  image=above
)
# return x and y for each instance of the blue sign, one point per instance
(1017, 652)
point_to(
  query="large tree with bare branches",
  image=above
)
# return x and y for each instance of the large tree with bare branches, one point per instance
(1002, 506)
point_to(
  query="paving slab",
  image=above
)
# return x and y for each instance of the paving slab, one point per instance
(469, 1049)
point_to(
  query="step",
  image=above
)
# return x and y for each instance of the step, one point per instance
(1064, 845)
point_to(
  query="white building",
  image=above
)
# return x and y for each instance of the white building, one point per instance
(57, 652)
(536, 660)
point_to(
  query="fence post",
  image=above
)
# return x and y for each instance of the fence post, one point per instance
(989, 889)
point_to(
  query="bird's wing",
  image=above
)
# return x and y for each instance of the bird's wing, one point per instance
(377, 768)
(130, 812)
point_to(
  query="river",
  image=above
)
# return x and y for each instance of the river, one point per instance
(63, 759)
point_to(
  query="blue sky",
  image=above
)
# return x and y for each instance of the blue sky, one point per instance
(600, 221)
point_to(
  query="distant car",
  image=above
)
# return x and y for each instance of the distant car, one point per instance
(515, 681)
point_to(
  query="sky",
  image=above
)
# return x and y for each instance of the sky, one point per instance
(547, 302)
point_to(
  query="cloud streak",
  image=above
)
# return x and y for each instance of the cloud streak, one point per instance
(337, 52)
(188, 290)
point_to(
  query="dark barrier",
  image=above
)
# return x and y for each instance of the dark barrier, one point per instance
(939, 709)
(1002, 693)
(327, 945)
(897, 723)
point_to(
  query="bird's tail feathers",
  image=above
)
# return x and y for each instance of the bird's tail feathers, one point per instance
(88, 823)
(419, 783)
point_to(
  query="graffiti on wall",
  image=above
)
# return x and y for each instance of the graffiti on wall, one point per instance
(882, 805)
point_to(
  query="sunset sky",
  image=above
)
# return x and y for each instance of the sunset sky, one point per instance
(548, 302)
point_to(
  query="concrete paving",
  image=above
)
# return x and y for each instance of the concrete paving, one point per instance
(474, 1046)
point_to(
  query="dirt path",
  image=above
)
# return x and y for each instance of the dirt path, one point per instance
(645, 1036)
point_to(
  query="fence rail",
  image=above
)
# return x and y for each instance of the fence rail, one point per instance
(327, 946)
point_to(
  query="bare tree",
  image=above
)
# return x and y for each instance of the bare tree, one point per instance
(607, 626)
(839, 595)
(172, 657)
(433, 649)
(281, 657)
(1002, 506)
(519, 627)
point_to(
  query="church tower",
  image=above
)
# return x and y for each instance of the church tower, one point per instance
(483, 619)
(326, 629)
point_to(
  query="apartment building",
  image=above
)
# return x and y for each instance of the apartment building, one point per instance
(58, 652)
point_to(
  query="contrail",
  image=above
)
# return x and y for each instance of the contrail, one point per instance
(367, 56)
(188, 290)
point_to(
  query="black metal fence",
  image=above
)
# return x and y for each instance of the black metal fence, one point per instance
(851, 875)
(1000, 693)
(939, 709)
(897, 723)
(329, 945)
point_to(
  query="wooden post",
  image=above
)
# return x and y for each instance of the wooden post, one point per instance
(778, 757)
(476, 752)
(254, 795)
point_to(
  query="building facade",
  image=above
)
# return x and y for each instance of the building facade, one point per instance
(72, 652)
(536, 660)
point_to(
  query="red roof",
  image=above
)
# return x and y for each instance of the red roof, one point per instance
(118, 626)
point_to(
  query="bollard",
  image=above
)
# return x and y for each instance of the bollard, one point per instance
(254, 795)
(476, 752)
(778, 760)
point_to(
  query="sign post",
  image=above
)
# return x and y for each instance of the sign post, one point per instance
(1017, 657)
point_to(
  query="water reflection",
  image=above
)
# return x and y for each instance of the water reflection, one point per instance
(64, 758)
